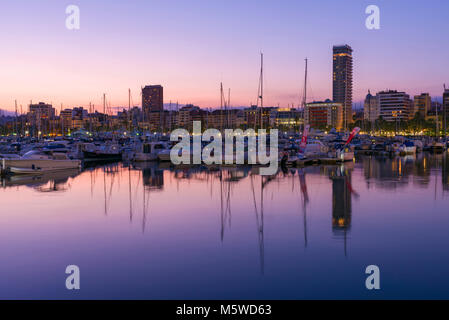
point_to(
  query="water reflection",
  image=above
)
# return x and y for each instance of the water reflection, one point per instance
(342, 192)
(380, 172)
(243, 220)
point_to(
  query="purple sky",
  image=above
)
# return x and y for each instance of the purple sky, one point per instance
(191, 46)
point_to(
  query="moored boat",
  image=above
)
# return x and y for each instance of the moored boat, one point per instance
(150, 151)
(39, 161)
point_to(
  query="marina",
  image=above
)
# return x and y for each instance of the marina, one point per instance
(224, 159)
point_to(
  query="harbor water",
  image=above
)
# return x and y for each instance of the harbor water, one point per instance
(150, 231)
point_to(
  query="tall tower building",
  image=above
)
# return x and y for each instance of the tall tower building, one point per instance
(152, 98)
(445, 109)
(342, 80)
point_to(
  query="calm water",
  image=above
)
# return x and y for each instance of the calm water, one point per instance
(149, 232)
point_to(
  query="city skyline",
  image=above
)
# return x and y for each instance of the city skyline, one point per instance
(190, 51)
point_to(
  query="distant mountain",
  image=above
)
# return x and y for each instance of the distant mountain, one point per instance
(6, 113)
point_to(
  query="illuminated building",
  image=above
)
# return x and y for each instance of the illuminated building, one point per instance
(394, 105)
(152, 98)
(342, 80)
(371, 107)
(324, 114)
(422, 104)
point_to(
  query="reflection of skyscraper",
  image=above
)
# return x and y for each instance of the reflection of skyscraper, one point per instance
(342, 80)
(445, 173)
(341, 203)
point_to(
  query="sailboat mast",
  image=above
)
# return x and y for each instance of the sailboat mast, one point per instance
(221, 106)
(129, 109)
(304, 101)
(261, 90)
(229, 105)
(15, 119)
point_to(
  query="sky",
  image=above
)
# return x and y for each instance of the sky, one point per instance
(189, 47)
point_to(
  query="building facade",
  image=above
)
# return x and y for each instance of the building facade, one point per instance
(41, 111)
(285, 118)
(394, 105)
(371, 108)
(422, 104)
(324, 114)
(446, 103)
(342, 80)
(152, 98)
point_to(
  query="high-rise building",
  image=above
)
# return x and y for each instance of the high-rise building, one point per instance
(394, 105)
(152, 98)
(342, 80)
(324, 114)
(371, 107)
(445, 109)
(422, 104)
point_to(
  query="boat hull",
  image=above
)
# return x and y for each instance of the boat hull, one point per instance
(101, 156)
(41, 165)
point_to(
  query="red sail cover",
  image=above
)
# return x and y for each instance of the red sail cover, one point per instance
(303, 144)
(352, 135)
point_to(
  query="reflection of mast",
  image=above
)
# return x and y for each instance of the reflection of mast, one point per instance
(144, 215)
(305, 200)
(104, 187)
(225, 210)
(259, 224)
(221, 205)
(130, 198)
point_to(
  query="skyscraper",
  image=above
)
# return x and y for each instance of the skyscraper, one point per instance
(445, 109)
(342, 80)
(152, 98)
